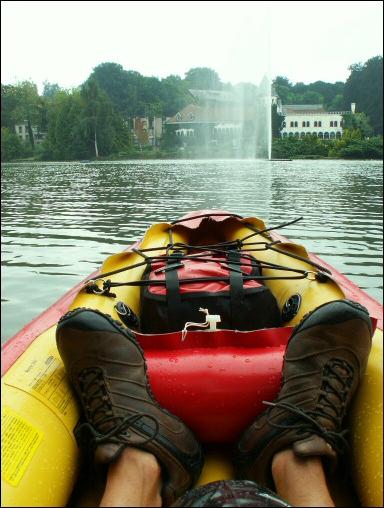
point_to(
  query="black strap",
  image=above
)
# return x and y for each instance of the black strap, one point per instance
(236, 287)
(173, 287)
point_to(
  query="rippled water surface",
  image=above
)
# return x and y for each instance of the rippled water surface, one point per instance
(60, 220)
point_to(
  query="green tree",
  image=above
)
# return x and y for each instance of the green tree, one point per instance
(174, 94)
(11, 147)
(203, 78)
(21, 103)
(277, 122)
(50, 89)
(364, 87)
(357, 126)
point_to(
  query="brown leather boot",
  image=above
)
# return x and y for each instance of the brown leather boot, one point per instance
(107, 368)
(325, 359)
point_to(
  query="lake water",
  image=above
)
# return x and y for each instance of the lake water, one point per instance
(60, 220)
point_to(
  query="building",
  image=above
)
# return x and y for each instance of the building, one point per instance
(147, 130)
(311, 120)
(22, 132)
(213, 117)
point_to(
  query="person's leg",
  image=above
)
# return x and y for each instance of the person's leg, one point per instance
(300, 481)
(324, 361)
(107, 369)
(134, 479)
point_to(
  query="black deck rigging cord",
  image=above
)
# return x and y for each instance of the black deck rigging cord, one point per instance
(219, 248)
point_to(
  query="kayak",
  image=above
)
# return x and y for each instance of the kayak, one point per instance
(212, 375)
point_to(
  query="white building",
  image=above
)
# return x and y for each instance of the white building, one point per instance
(312, 120)
(22, 132)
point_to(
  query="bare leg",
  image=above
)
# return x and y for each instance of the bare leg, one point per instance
(133, 480)
(300, 481)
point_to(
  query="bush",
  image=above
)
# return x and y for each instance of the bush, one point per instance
(11, 146)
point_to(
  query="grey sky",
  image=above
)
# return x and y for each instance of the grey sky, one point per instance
(62, 42)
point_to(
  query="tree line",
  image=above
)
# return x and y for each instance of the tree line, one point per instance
(94, 120)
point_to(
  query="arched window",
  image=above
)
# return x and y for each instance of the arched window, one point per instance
(333, 135)
(303, 124)
(296, 134)
(335, 123)
(326, 135)
(320, 135)
(285, 134)
(178, 116)
(291, 124)
(302, 134)
(291, 134)
(296, 124)
(319, 123)
(308, 124)
(331, 123)
(314, 134)
(338, 135)
(315, 123)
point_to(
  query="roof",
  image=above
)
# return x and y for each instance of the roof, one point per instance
(213, 95)
(216, 113)
(291, 109)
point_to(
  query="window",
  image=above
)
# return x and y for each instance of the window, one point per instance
(296, 124)
(291, 124)
(191, 116)
(178, 116)
(303, 124)
(319, 124)
(284, 124)
(335, 123)
(315, 123)
(331, 123)
(307, 124)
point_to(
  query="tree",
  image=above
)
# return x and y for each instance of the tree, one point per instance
(117, 84)
(174, 94)
(357, 126)
(96, 117)
(203, 78)
(11, 148)
(21, 103)
(50, 89)
(364, 87)
(277, 122)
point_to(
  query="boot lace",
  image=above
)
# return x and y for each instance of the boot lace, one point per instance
(99, 414)
(336, 384)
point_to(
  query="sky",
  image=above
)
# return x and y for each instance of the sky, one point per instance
(62, 41)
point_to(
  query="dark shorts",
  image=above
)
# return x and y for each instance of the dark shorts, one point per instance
(230, 493)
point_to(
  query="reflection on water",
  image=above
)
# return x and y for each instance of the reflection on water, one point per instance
(60, 220)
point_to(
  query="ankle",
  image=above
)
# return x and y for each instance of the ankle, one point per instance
(280, 461)
(300, 480)
(144, 461)
(134, 479)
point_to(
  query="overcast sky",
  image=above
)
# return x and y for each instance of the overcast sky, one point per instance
(61, 42)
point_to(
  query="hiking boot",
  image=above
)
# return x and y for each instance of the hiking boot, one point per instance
(324, 362)
(107, 368)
